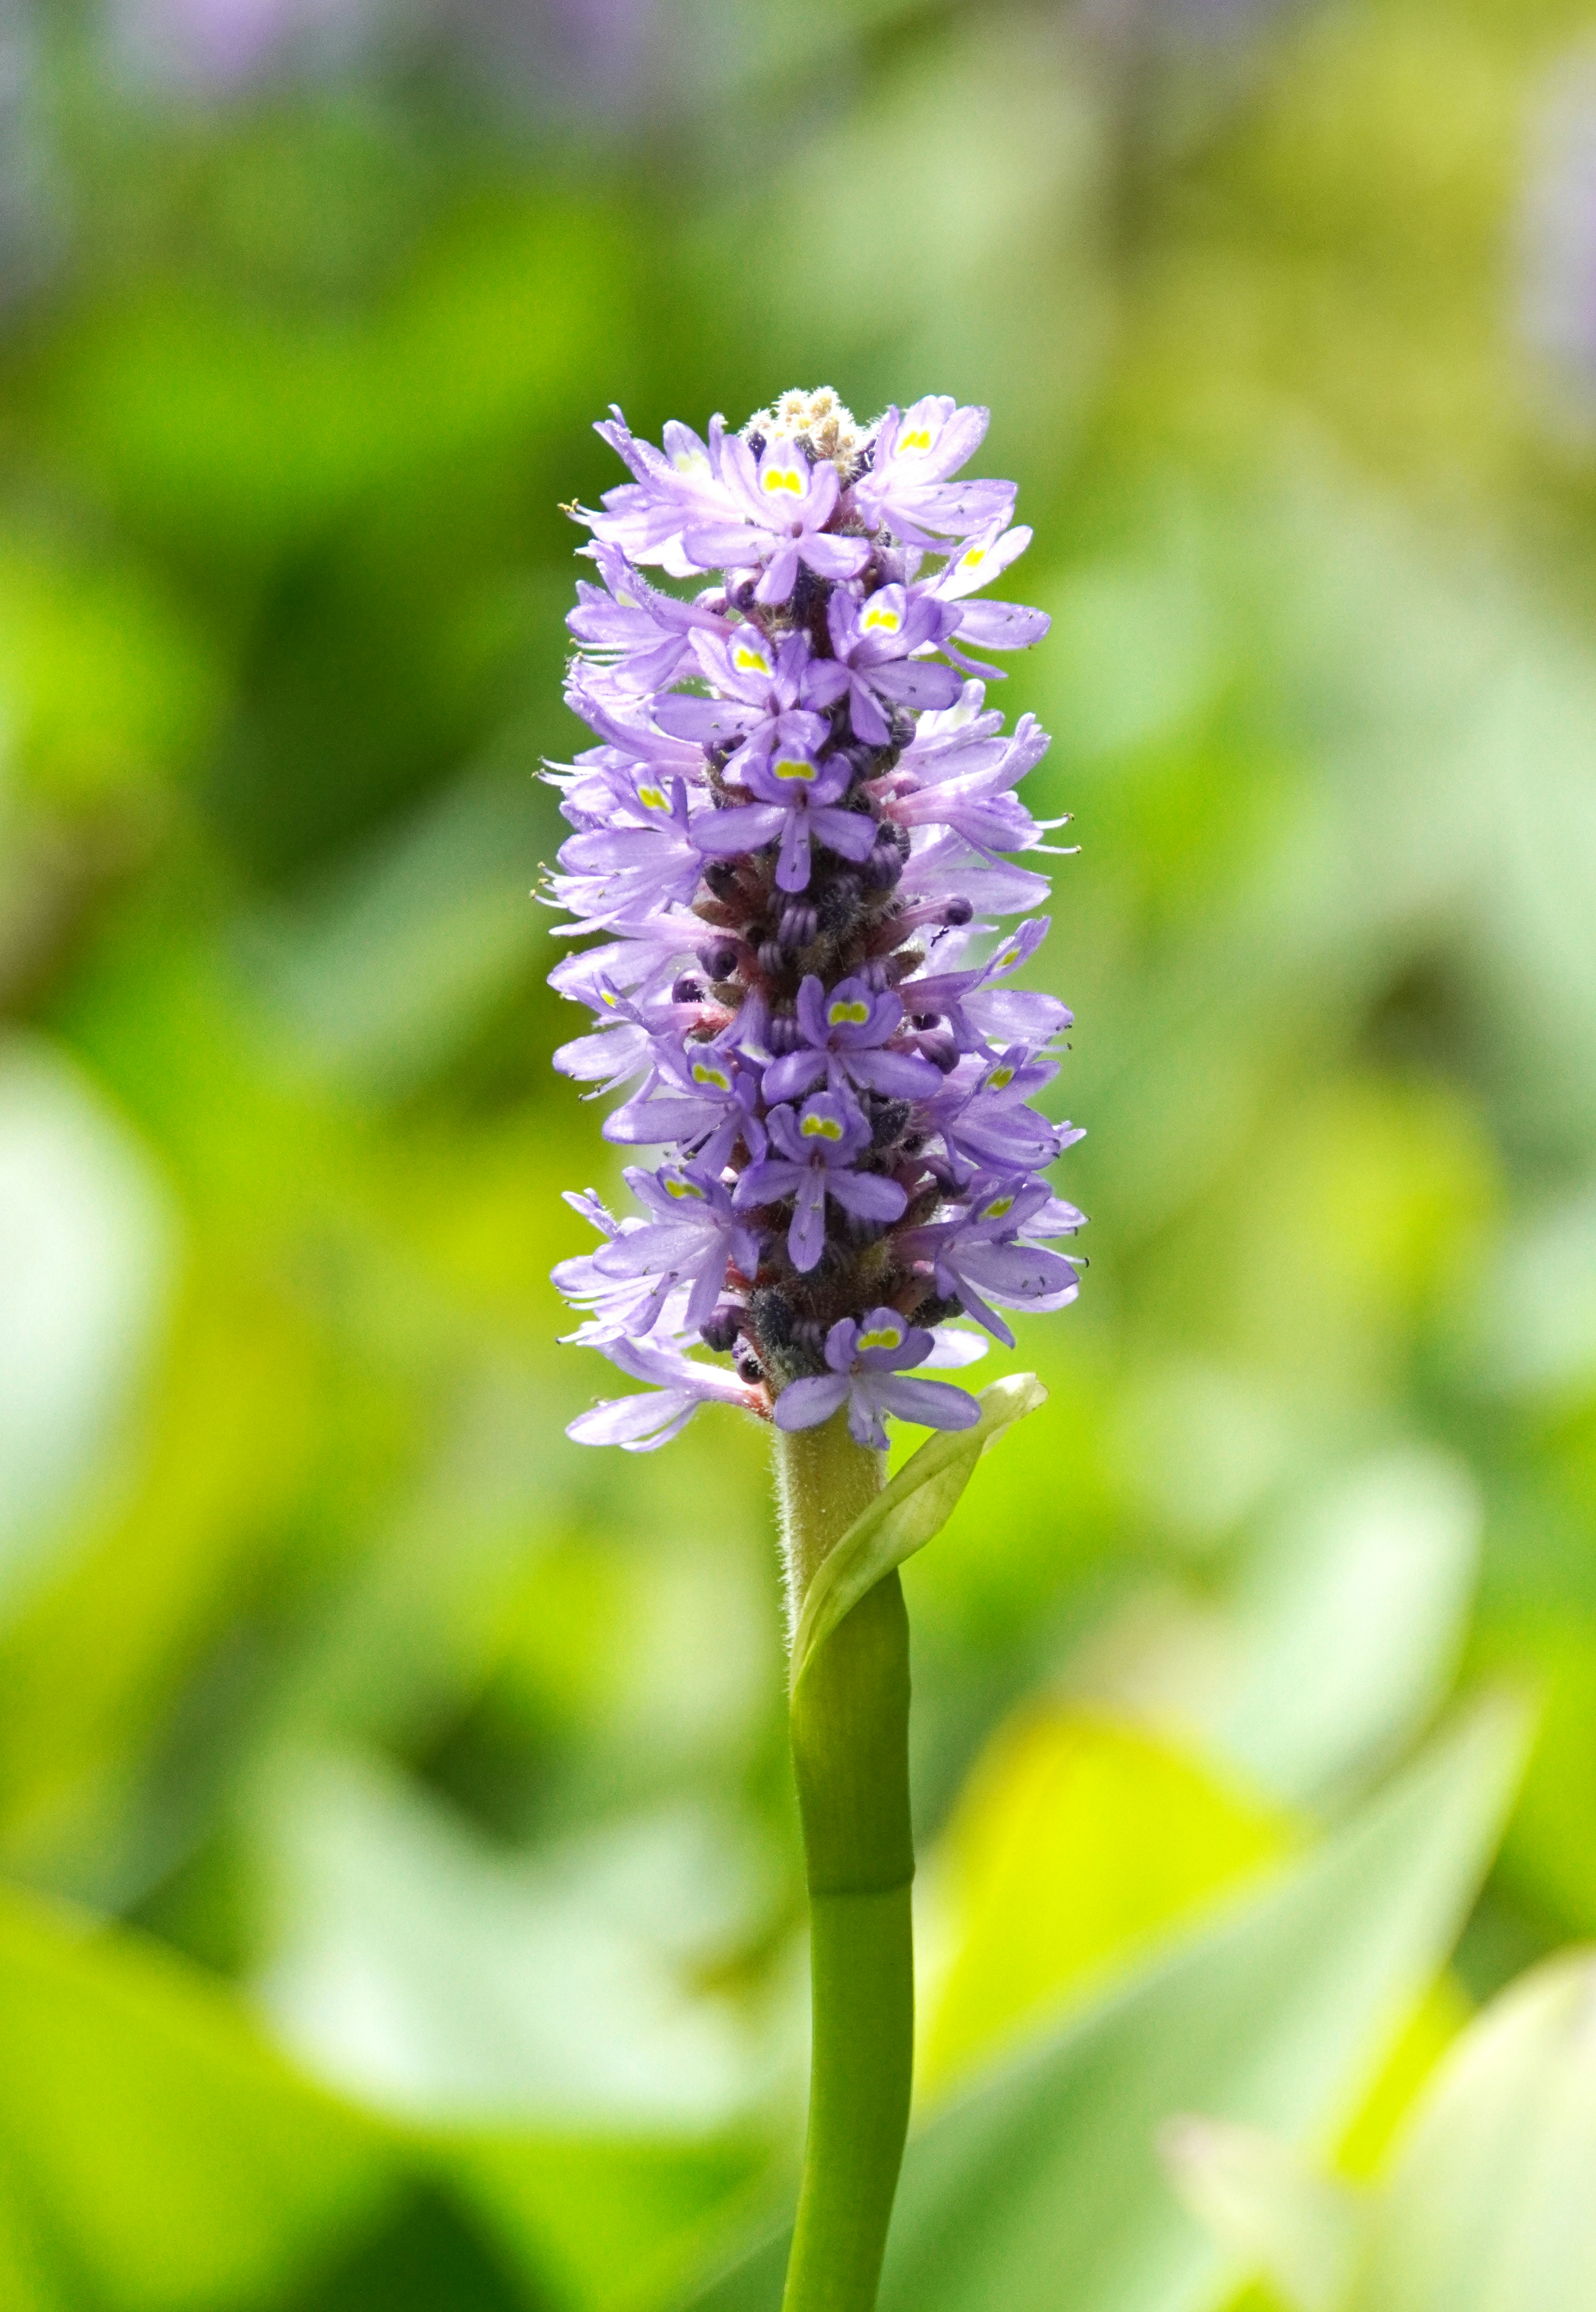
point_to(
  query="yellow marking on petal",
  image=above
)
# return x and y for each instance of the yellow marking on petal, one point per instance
(606, 998)
(885, 1336)
(995, 1209)
(690, 461)
(628, 602)
(975, 557)
(820, 1127)
(705, 1074)
(794, 766)
(748, 657)
(887, 620)
(680, 1188)
(653, 797)
(777, 478)
(849, 1014)
(920, 439)
(1000, 1078)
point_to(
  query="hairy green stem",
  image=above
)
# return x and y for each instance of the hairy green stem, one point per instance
(850, 1756)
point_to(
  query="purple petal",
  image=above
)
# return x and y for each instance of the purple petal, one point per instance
(917, 683)
(747, 828)
(869, 723)
(724, 545)
(900, 1075)
(834, 557)
(851, 832)
(705, 720)
(866, 1193)
(932, 1404)
(791, 866)
(636, 1421)
(798, 1074)
(781, 575)
(805, 1404)
(806, 1239)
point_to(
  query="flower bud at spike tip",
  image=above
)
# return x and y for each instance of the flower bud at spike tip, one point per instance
(791, 843)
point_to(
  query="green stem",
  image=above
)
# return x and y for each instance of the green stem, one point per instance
(850, 1756)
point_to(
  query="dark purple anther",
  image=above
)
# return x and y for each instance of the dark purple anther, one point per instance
(720, 1331)
(719, 961)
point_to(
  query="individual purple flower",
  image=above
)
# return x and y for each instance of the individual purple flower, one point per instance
(868, 1358)
(704, 1097)
(817, 1145)
(981, 1256)
(975, 1010)
(986, 625)
(766, 702)
(639, 1424)
(622, 1047)
(844, 1035)
(797, 803)
(962, 775)
(907, 490)
(694, 1238)
(634, 637)
(646, 855)
(783, 504)
(987, 1124)
(643, 519)
(874, 640)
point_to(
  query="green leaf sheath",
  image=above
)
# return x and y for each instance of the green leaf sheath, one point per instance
(850, 1755)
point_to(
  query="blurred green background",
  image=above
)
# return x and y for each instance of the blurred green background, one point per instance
(435, 1760)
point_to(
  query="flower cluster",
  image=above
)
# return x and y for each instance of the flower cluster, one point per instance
(799, 812)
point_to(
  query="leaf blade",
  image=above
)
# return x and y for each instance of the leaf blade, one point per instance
(1039, 2191)
(909, 1512)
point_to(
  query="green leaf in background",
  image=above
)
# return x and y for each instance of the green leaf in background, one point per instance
(427, 1973)
(1333, 1646)
(909, 1512)
(88, 1244)
(1267, 2204)
(621, 2221)
(156, 2152)
(1076, 1841)
(1491, 2206)
(1041, 2188)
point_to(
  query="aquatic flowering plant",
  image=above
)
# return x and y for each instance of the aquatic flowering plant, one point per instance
(797, 836)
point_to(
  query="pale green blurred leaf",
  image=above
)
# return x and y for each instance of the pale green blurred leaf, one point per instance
(910, 1511)
(1491, 2206)
(1043, 2187)
(1333, 1648)
(424, 1971)
(86, 1257)
(1266, 2207)
(1351, 1626)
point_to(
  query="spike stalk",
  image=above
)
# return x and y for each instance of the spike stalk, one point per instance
(850, 1756)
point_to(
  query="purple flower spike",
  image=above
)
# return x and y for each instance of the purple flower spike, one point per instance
(793, 834)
